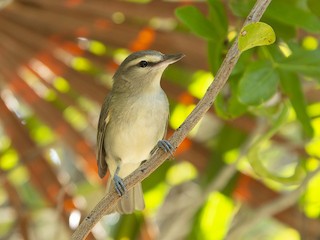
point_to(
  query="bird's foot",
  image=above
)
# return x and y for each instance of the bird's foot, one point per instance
(119, 185)
(166, 146)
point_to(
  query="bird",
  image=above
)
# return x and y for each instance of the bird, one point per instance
(133, 122)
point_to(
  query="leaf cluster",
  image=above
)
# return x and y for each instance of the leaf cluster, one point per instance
(265, 73)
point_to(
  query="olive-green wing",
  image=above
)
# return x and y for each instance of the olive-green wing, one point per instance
(102, 127)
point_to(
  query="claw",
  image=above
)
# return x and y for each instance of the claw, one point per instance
(166, 146)
(119, 185)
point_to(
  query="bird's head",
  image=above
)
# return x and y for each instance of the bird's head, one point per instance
(143, 69)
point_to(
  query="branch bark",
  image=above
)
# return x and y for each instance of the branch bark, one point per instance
(108, 201)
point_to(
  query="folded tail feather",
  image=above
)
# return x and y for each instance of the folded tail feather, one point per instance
(131, 201)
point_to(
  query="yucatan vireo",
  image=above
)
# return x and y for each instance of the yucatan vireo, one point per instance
(133, 120)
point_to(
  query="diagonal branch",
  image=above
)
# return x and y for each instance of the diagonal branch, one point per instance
(108, 201)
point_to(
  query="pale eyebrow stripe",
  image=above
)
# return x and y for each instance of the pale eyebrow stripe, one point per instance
(150, 59)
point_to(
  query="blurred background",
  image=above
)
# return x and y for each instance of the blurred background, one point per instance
(248, 170)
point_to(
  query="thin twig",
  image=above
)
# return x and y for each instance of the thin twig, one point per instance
(108, 201)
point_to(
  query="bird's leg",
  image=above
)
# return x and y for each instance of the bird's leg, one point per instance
(118, 183)
(166, 146)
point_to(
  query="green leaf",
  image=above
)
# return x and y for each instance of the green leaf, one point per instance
(285, 11)
(219, 21)
(282, 30)
(196, 22)
(258, 83)
(227, 105)
(255, 34)
(215, 48)
(293, 15)
(218, 18)
(304, 62)
(241, 7)
(314, 6)
(292, 88)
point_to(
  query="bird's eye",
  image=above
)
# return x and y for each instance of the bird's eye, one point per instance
(143, 64)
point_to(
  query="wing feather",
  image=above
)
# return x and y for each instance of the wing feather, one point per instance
(102, 127)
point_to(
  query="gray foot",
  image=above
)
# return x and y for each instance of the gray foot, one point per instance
(166, 146)
(119, 185)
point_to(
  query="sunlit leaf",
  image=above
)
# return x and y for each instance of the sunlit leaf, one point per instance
(310, 43)
(42, 134)
(287, 233)
(216, 214)
(50, 95)
(9, 159)
(180, 173)
(179, 114)
(284, 49)
(154, 197)
(61, 84)
(81, 64)
(314, 109)
(97, 47)
(311, 198)
(120, 54)
(75, 118)
(200, 84)
(255, 34)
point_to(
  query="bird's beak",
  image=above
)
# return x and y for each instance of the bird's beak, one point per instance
(172, 58)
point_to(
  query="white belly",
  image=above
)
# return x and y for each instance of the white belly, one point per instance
(132, 134)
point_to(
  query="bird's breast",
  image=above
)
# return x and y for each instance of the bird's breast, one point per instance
(136, 125)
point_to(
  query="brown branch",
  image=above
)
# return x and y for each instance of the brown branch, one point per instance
(159, 157)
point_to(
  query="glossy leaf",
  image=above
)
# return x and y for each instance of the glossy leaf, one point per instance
(258, 83)
(255, 34)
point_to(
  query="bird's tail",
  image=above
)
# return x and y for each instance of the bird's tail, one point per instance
(131, 201)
